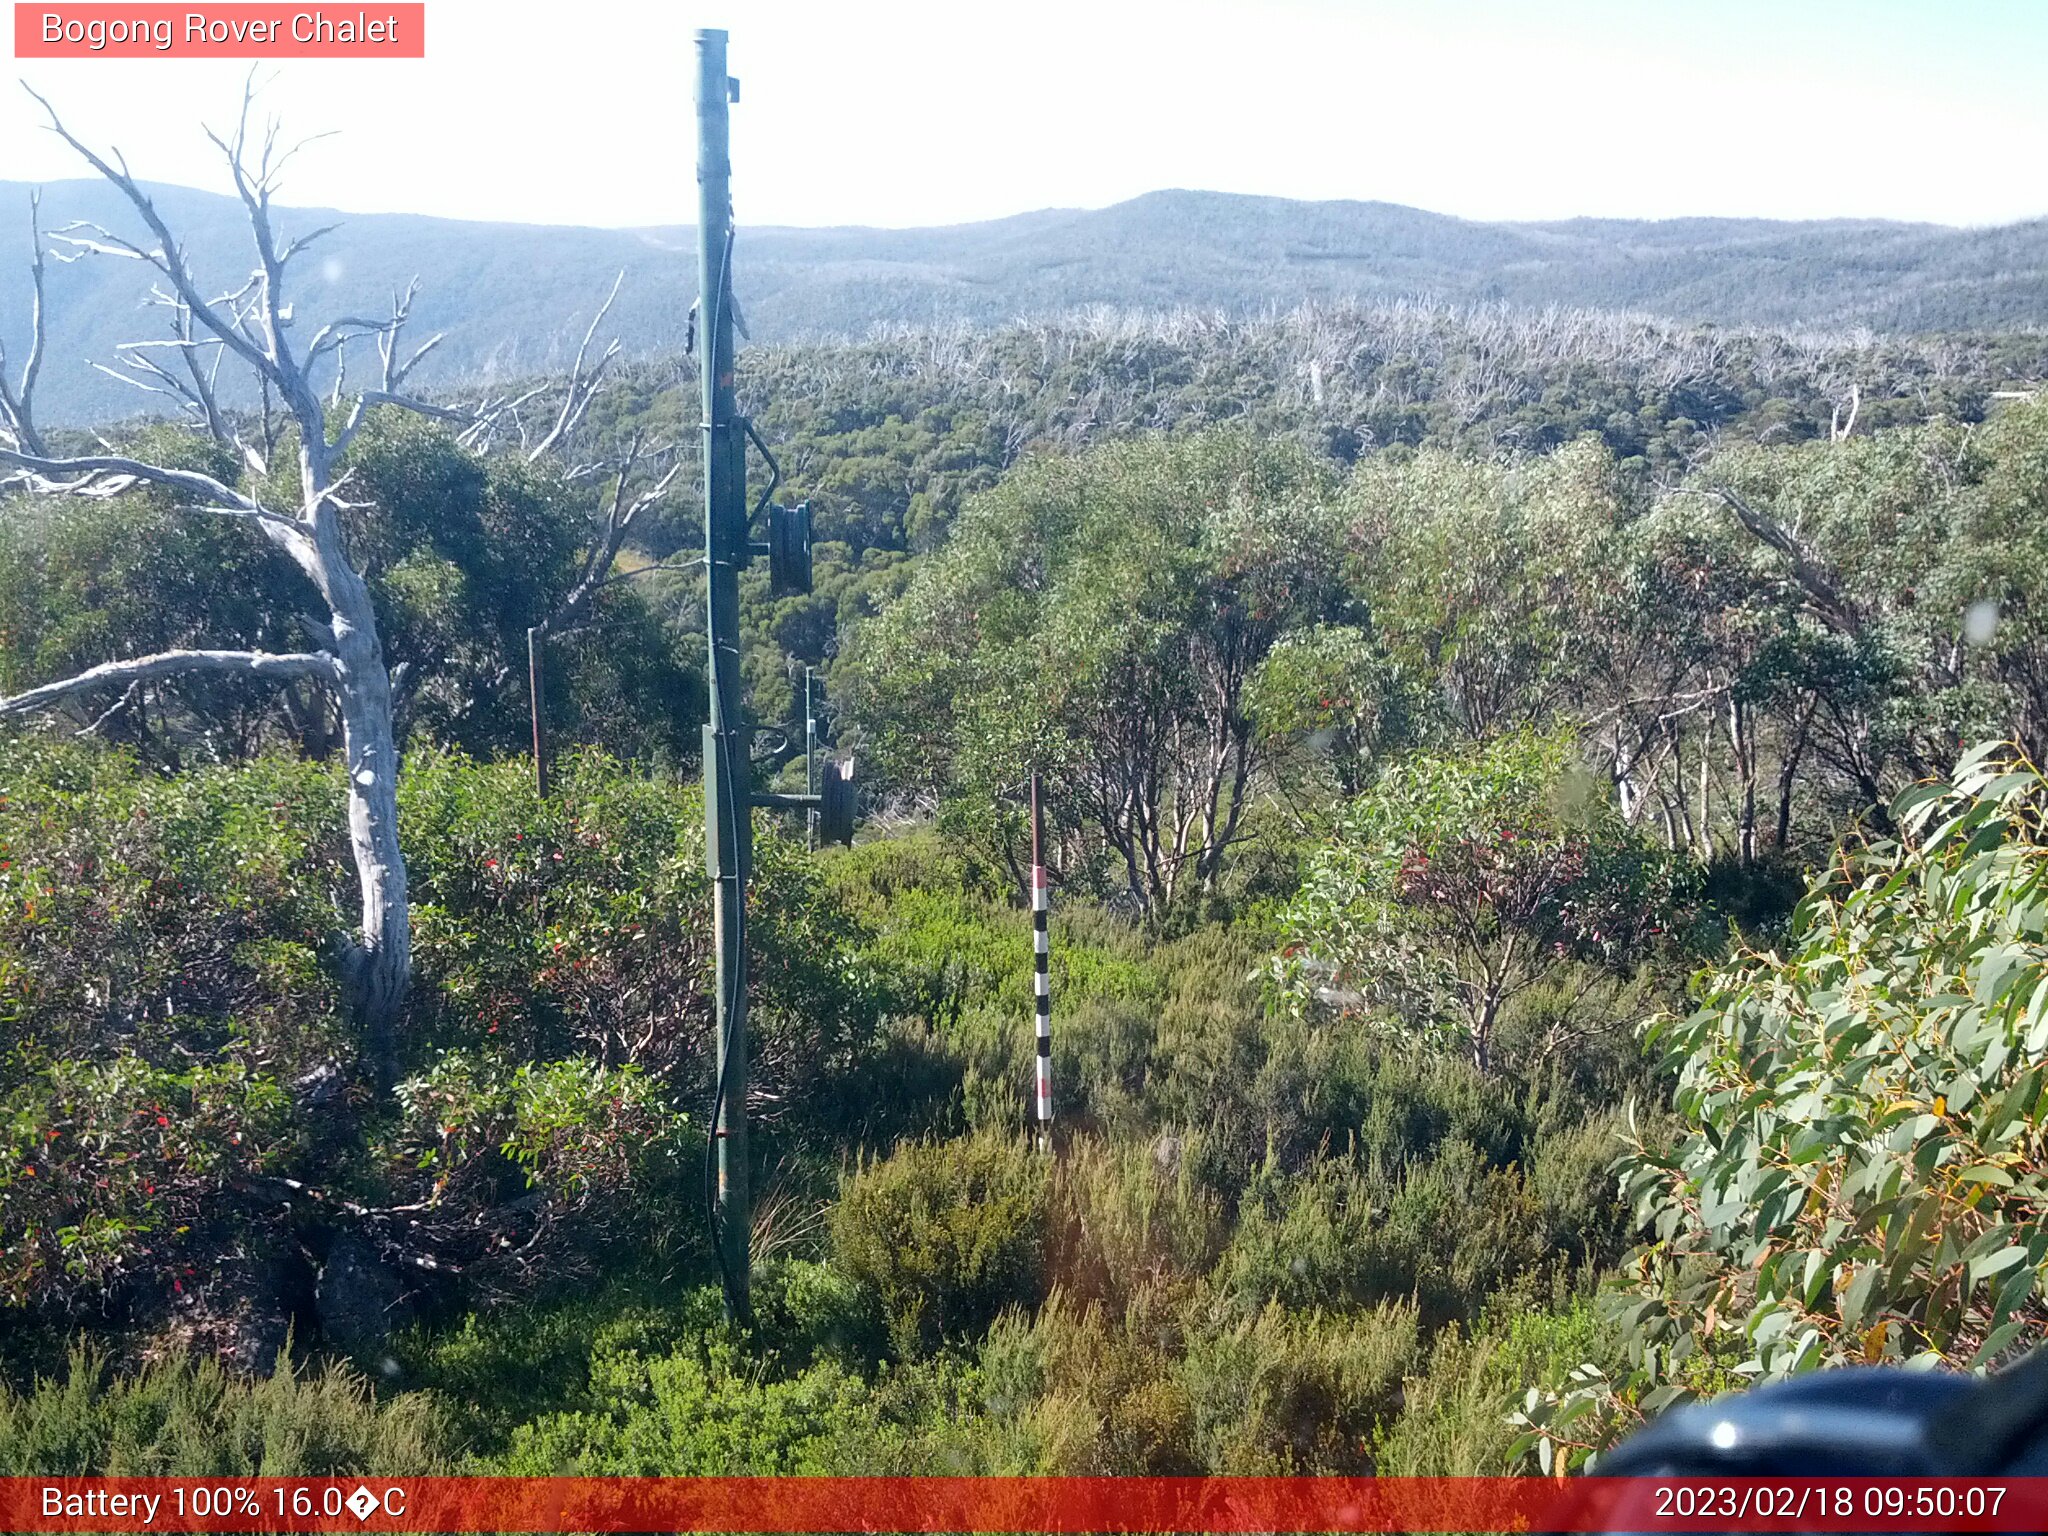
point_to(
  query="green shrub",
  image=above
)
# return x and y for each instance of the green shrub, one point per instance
(1133, 1216)
(191, 1418)
(579, 924)
(1453, 1420)
(1446, 1232)
(1863, 1173)
(118, 1172)
(169, 992)
(1461, 880)
(1092, 1394)
(1304, 1240)
(945, 1236)
(166, 916)
(806, 1312)
(497, 1367)
(683, 1416)
(1284, 1392)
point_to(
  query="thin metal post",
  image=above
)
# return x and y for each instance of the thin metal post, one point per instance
(727, 759)
(810, 764)
(1041, 967)
(536, 692)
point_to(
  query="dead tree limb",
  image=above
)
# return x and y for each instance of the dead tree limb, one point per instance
(583, 387)
(17, 400)
(144, 669)
(1821, 592)
(623, 507)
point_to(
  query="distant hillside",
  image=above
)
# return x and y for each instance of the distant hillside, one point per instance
(514, 298)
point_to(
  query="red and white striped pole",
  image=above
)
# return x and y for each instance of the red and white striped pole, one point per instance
(1041, 968)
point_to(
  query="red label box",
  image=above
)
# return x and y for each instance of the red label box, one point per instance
(378, 30)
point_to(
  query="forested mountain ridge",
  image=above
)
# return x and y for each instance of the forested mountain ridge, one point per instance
(514, 298)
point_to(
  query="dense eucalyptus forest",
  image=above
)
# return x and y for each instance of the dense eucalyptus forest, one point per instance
(1546, 858)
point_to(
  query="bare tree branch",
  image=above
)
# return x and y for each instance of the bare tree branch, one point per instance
(143, 669)
(255, 192)
(104, 475)
(127, 697)
(369, 399)
(251, 324)
(17, 402)
(168, 257)
(582, 387)
(1838, 429)
(193, 390)
(1819, 586)
(619, 516)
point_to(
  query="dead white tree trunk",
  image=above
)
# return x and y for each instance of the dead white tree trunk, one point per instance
(17, 401)
(251, 326)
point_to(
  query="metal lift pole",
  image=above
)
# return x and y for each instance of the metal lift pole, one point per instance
(727, 754)
(810, 763)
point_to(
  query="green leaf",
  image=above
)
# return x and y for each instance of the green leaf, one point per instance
(1996, 1341)
(1986, 1173)
(1996, 1263)
(1855, 1300)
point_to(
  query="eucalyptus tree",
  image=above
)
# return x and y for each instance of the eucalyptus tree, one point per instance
(1103, 618)
(1913, 567)
(1484, 577)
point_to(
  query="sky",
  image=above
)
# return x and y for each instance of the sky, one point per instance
(912, 113)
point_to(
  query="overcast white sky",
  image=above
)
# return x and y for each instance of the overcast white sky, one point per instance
(899, 112)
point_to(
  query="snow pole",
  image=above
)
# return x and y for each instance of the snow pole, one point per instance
(1041, 968)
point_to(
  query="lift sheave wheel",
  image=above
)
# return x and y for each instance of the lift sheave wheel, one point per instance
(789, 550)
(837, 797)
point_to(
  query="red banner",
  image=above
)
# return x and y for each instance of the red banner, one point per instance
(1024, 1504)
(228, 31)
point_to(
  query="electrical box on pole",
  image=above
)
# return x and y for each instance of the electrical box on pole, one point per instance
(729, 547)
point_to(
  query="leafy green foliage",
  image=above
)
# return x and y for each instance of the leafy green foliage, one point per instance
(1103, 618)
(107, 1168)
(82, 583)
(179, 1087)
(1477, 573)
(1459, 882)
(462, 552)
(1858, 1175)
(1451, 1423)
(1473, 735)
(1332, 693)
(680, 1416)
